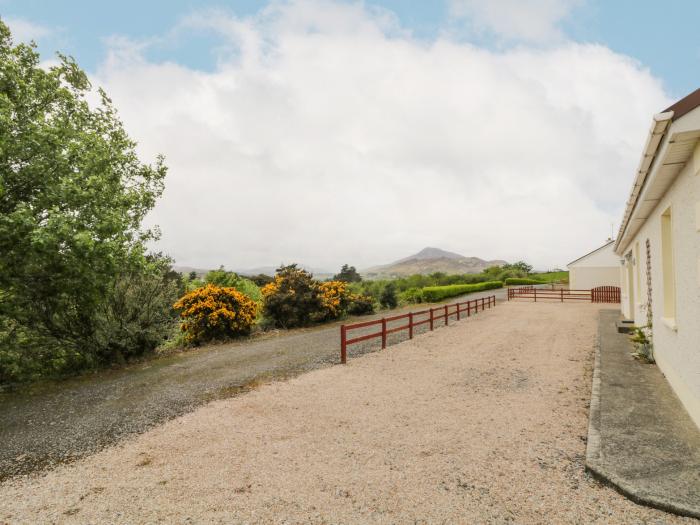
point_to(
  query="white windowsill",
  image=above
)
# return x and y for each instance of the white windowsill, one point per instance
(670, 323)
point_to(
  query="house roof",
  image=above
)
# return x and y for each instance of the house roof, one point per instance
(685, 105)
(660, 171)
(608, 243)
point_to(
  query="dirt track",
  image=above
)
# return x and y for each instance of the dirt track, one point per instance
(482, 421)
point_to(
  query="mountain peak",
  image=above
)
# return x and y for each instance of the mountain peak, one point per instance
(431, 253)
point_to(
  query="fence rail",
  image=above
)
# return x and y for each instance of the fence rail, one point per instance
(601, 294)
(431, 316)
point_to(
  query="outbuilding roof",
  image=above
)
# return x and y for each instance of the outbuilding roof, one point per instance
(608, 243)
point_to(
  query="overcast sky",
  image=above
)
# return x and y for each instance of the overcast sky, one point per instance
(328, 132)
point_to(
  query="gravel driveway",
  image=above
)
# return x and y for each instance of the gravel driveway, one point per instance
(483, 421)
(60, 422)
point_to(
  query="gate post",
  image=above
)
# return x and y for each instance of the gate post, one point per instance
(383, 332)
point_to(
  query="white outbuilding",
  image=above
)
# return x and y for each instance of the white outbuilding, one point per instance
(601, 267)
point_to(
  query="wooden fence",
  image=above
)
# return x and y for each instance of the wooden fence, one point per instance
(443, 312)
(601, 294)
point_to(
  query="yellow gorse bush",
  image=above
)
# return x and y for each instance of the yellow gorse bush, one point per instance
(213, 312)
(334, 298)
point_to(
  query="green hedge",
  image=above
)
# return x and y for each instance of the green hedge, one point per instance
(517, 281)
(432, 294)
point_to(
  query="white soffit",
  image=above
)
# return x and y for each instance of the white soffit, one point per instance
(678, 151)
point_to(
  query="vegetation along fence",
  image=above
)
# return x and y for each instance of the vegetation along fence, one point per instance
(415, 319)
(601, 294)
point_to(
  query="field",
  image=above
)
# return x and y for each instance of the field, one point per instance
(550, 276)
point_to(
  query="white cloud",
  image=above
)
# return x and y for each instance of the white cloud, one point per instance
(528, 20)
(25, 31)
(328, 135)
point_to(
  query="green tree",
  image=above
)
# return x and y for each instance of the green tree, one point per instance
(73, 194)
(348, 274)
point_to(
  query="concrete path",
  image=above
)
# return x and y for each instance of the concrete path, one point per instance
(55, 423)
(641, 440)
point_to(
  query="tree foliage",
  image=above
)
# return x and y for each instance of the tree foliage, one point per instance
(73, 195)
(348, 274)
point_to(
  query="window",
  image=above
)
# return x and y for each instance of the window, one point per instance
(669, 279)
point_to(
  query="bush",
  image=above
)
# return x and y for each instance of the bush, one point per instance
(412, 296)
(388, 298)
(212, 312)
(438, 293)
(292, 298)
(335, 299)
(138, 314)
(226, 279)
(361, 304)
(516, 281)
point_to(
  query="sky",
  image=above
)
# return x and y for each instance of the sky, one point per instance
(331, 131)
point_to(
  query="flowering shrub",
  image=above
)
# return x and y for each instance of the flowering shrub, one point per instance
(335, 298)
(212, 312)
(293, 298)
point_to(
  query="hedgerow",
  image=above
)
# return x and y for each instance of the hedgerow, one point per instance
(438, 293)
(517, 281)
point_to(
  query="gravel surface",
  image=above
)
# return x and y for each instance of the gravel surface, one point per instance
(483, 421)
(55, 423)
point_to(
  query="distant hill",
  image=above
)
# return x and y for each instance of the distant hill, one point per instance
(430, 260)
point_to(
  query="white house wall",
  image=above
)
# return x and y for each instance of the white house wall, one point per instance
(587, 277)
(600, 268)
(676, 348)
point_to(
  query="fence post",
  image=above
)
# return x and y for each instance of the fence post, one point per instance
(459, 309)
(431, 318)
(343, 345)
(447, 316)
(410, 325)
(383, 332)
(535, 294)
(562, 295)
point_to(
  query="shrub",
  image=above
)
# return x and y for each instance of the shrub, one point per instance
(226, 279)
(388, 298)
(335, 299)
(412, 296)
(438, 293)
(212, 312)
(361, 304)
(516, 281)
(292, 298)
